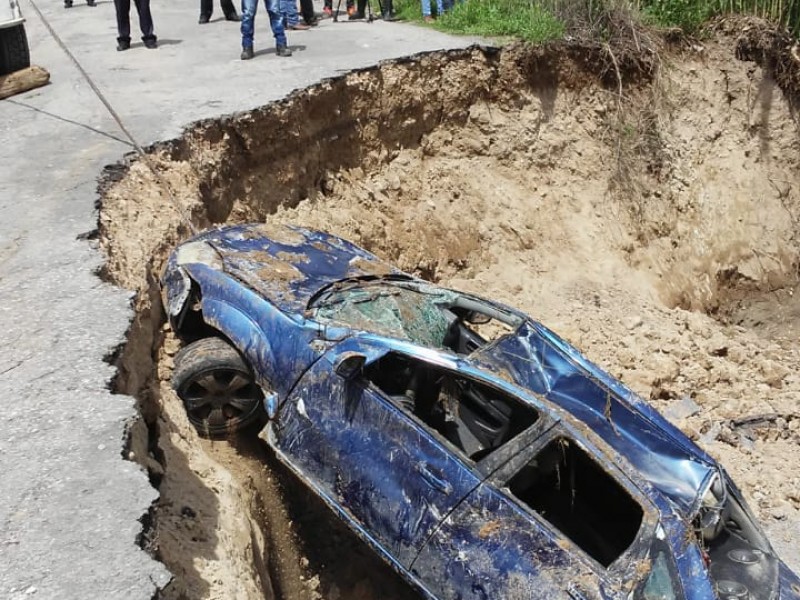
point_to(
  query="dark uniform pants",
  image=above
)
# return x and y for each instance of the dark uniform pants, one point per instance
(124, 19)
(207, 8)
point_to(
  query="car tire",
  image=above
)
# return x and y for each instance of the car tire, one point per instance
(217, 388)
(14, 52)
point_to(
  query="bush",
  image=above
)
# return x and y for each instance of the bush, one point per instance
(690, 14)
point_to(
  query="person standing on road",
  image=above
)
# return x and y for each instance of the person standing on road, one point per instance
(291, 18)
(124, 23)
(307, 10)
(207, 9)
(249, 8)
(386, 6)
(441, 6)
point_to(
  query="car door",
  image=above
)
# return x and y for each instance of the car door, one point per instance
(501, 543)
(381, 467)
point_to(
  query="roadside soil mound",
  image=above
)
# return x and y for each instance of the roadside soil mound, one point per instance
(649, 216)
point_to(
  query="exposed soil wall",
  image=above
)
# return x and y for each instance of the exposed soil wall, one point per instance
(650, 219)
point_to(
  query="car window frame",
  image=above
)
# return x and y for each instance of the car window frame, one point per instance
(640, 545)
(490, 463)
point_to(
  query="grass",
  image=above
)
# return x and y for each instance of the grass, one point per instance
(520, 19)
(535, 20)
(691, 14)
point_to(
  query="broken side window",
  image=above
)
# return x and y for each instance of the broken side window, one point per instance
(662, 583)
(472, 417)
(571, 491)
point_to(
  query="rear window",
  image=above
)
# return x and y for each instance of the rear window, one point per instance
(570, 490)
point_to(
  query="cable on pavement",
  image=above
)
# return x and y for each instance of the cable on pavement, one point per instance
(147, 159)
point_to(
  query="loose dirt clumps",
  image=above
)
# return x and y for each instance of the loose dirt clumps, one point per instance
(649, 215)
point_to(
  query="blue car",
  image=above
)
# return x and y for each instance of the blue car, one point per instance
(472, 448)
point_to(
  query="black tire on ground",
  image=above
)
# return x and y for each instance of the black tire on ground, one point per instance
(217, 387)
(14, 52)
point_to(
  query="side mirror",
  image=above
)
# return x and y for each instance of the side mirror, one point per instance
(349, 364)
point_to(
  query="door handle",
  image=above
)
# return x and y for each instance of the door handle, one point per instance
(433, 480)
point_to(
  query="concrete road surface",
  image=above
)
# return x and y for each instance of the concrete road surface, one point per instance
(69, 505)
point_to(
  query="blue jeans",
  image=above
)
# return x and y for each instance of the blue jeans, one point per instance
(275, 22)
(426, 8)
(289, 12)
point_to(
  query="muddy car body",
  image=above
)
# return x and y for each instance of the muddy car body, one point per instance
(479, 462)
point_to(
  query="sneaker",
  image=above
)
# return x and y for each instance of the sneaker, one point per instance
(233, 17)
(203, 19)
(150, 44)
(327, 11)
(91, 3)
(355, 16)
(299, 27)
(67, 3)
(123, 45)
(247, 53)
(388, 16)
(429, 19)
(280, 51)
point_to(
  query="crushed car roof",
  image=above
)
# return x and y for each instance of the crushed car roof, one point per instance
(287, 265)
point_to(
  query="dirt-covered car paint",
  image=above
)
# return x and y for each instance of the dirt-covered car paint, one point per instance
(451, 492)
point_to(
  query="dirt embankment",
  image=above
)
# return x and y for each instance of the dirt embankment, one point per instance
(650, 219)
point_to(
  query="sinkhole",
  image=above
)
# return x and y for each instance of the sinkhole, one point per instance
(647, 212)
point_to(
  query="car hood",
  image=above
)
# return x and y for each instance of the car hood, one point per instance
(537, 359)
(288, 265)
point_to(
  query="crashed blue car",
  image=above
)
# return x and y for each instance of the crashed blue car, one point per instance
(472, 448)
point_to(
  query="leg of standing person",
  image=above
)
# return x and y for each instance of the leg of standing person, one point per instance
(439, 8)
(123, 8)
(229, 10)
(249, 8)
(307, 10)
(276, 23)
(206, 10)
(388, 10)
(426, 11)
(359, 12)
(146, 23)
(290, 16)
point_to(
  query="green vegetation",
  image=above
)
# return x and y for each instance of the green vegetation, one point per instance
(690, 14)
(522, 19)
(541, 20)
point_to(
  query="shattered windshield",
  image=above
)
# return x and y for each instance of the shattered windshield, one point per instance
(409, 311)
